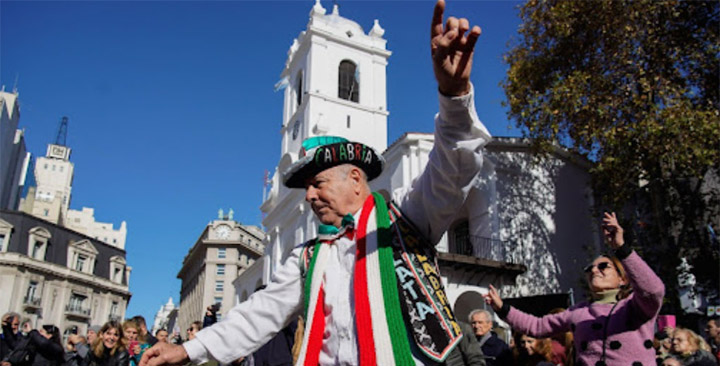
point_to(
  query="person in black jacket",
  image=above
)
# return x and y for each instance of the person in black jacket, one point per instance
(9, 337)
(47, 345)
(109, 348)
(495, 351)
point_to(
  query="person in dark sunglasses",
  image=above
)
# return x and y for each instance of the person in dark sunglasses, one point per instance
(614, 328)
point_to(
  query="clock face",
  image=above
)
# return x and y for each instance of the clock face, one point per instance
(58, 152)
(223, 232)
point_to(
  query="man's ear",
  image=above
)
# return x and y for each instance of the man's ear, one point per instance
(357, 177)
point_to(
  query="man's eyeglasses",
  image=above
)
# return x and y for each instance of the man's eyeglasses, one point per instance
(602, 266)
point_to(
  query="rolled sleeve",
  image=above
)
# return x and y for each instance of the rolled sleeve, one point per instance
(453, 166)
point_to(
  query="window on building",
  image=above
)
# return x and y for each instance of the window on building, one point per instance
(2, 242)
(77, 302)
(80, 263)
(53, 167)
(38, 241)
(114, 309)
(299, 89)
(348, 86)
(348, 121)
(46, 166)
(220, 270)
(31, 291)
(37, 249)
(61, 168)
(46, 212)
(117, 267)
(461, 239)
(221, 253)
(219, 286)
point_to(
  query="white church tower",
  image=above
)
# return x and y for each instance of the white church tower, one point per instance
(336, 85)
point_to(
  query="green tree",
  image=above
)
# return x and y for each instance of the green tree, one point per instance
(635, 87)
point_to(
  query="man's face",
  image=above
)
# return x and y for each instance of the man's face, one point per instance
(331, 194)
(91, 335)
(481, 324)
(15, 324)
(713, 330)
(162, 336)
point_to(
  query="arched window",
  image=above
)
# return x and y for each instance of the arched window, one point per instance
(348, 86)
(299, 88)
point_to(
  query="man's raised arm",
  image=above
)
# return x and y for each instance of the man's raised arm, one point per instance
(456, 159)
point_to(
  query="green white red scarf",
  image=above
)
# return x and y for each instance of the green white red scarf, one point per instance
(381, 332)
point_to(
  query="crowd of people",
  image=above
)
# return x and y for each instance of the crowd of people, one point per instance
(123, 344)
(672, 346)
(113, 344)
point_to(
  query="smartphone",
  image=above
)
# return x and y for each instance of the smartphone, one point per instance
(131, 347)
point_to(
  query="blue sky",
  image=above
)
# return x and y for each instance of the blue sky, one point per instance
(172, 110)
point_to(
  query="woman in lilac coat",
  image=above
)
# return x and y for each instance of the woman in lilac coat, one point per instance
(617, 326)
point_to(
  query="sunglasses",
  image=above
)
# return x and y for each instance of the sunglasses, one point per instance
(602, 266)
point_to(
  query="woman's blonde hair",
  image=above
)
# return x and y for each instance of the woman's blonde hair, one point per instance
(98, 347)
(696, 342)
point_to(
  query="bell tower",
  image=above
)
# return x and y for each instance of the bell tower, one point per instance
(335, 84)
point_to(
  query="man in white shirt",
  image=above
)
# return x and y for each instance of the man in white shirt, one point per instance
(365, 287)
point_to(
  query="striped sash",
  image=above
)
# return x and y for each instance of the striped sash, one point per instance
(381, 309)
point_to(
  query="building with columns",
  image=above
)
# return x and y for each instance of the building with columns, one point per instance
(224, 250)
(526, 227)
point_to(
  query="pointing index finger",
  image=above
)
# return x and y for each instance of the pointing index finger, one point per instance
(437, 20)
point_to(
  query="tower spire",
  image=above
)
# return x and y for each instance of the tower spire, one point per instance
(62, 132)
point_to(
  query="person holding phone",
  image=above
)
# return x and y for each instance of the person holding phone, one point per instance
(135, 340)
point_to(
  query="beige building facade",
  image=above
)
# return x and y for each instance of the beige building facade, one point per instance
(224, 250)
(53, 176)
(52, 275)
(84, 222)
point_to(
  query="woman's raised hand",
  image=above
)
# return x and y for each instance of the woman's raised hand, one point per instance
(493, 299)
(612, 230)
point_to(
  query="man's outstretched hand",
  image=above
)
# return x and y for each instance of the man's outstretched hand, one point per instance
(452, 51)
(164, 354)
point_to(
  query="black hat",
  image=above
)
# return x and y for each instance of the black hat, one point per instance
(323, 152)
